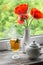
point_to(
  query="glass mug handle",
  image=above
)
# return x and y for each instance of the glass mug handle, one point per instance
(8, 45)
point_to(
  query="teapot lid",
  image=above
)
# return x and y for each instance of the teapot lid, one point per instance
(35, 45)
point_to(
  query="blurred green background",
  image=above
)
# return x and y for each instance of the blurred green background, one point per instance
(8, 20)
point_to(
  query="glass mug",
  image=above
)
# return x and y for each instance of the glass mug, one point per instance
(15, 44)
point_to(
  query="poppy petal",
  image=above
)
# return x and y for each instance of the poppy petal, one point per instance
(20, 21)
(36, 13)
(21, 9)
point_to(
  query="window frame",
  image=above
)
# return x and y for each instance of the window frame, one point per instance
(4, 43)
(37, 38)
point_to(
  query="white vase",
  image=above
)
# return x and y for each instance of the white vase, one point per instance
(26, 38)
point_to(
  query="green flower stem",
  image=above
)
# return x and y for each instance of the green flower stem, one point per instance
(26, 24)
(30, 22)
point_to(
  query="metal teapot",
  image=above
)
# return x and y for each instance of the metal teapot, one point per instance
(33, 50)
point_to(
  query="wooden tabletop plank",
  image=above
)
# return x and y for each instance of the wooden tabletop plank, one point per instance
(6, 59)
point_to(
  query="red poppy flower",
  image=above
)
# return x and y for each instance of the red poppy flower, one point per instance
(36, 13)
(21, 9)
(22, 18)
(20, 21)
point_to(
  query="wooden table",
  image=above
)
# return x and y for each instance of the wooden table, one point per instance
(6, 59)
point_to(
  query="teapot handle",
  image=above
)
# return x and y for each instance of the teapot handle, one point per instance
(41, 52)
